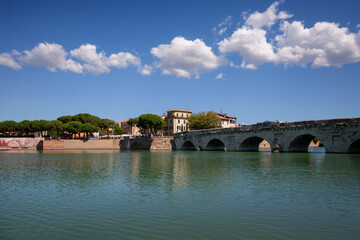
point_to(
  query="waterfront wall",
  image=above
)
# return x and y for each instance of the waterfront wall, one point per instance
(18, 142)
(138, 143)
(147, 143)
(162, 143)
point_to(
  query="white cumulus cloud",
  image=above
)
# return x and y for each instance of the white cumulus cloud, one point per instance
(322, 45)
(7, 60)
(97, 62)
(52, 56)
(325, 44)
(93, 62)
(185, 58)
(145, 70)
(267, 18)
(122, 60)
(220, 76)
(251, 44)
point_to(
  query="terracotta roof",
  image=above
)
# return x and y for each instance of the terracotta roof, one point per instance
(224, 116)
(179, 110)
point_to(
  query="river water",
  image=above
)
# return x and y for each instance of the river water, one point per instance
(179, 195)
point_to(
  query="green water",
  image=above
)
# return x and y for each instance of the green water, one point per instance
(179, 195)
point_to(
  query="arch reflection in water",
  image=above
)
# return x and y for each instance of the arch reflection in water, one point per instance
(265, 162)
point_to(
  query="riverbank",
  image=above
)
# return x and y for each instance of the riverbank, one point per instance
(136, 143)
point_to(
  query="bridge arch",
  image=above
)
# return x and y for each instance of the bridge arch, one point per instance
(252, 144)
(215, 145)
(188, 145)
(301, 143)
(355, 147)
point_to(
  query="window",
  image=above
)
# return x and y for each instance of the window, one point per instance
(182, 115)
(179, 121)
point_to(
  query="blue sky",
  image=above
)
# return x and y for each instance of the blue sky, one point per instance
(256, 60)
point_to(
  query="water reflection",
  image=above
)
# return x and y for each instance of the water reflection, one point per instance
(265, 162)
(180, 173)
(148, 195)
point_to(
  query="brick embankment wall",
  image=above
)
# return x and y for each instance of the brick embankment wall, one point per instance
(93, 144)
(162, 143)
(146, 143)
(53, 145)
(76, 144)
(140, 143)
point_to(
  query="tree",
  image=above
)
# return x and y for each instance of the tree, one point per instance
(65, 119)
(87, 118)
(55, 128)
(203, 120)
(88, 128)
(8, 126)
(151, 123)
(106, 124)
(25, 127)
(118, 131)
(73, 127)
(103, 124)
(132, 122)
(39, 126)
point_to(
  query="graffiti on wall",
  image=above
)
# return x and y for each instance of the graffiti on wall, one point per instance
(19, 142)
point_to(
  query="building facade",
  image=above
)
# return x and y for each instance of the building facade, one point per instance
(128, 129)
(177, 120)
(226, 121)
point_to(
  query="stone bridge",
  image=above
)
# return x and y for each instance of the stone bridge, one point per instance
(337, 136)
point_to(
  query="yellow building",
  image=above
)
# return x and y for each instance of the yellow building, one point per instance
(177, 120)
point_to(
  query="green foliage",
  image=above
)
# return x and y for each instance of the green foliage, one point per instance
(87, 118)
(8, 126)
(315, 140)
(133, 121)
(55, 128)
(73, 127)
(89, 128)
(118, 131)
(104, 124)
(39, 125)
(151, 122)
(203, 120)
(25, 127)
(65, 119)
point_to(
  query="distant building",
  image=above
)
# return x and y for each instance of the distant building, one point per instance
(128, 129)
(176, 120)
(226, 121)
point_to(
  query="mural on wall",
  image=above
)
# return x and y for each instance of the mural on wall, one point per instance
(19, 142)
